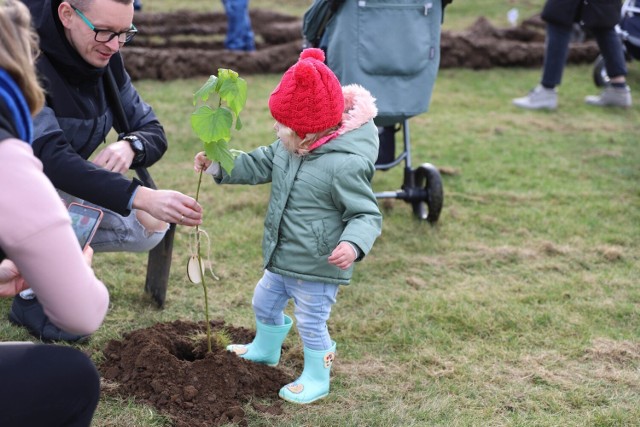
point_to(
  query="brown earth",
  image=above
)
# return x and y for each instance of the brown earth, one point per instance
(186, 44)
(168, 367)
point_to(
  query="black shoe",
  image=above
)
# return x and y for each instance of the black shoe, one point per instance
(29, 313)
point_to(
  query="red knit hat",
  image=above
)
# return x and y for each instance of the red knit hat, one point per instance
(309, 98)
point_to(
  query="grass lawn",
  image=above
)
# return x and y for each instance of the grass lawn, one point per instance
(520, 308)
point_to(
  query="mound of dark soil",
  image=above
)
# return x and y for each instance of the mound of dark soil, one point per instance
(185, 44)
(483, 46)
(168, 367)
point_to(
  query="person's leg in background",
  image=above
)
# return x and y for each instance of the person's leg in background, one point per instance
(239, 33)
(248, 38)
(545, 95)
(616, 93)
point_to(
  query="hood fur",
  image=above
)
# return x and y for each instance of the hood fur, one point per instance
(359, 108)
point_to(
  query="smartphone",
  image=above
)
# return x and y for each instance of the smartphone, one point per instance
(85, 221)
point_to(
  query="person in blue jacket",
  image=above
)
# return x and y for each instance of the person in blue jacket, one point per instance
(322, 215)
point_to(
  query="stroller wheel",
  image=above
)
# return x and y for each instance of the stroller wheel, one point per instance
(600, 77)
(430, 206)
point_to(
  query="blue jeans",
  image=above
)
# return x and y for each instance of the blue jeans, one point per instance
(117, 233)
(239, 33)
(312, 306)
(557, 50)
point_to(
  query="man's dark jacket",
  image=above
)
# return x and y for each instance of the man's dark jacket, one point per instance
(590, 13)
(76, 118)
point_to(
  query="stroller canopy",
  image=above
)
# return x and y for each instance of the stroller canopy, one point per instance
(390, 47)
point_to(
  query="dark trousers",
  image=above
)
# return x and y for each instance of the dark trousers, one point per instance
(46, 386)
(557, 49)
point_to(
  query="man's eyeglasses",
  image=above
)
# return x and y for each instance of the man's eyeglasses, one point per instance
(105, 36)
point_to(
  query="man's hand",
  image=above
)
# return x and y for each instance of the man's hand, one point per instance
(115, 157)
(11, 282)
(342, 256)
(169, 206)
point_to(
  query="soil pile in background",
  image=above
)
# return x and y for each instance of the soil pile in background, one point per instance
(484, 46)
(168, 367)
(185, 44)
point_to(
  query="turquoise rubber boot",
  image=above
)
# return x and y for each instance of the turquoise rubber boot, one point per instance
(313, 384)
(267, 345)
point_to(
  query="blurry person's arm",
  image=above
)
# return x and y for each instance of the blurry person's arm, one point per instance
(36, 234)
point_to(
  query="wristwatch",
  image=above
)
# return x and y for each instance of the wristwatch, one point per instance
(137, 146)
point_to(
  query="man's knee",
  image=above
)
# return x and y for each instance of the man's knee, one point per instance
(150, 223)
(150, 240)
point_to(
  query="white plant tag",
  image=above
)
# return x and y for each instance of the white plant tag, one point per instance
(193, 272)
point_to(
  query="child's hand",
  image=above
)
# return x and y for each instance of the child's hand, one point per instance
(342, 256)
(201, 162)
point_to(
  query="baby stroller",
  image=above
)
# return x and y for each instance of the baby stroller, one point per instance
(628, 30)
(392, 48)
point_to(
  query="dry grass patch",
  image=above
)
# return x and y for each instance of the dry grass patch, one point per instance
(605, 364)
(611, 253)
(614, 353)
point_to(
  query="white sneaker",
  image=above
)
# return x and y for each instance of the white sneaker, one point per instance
(538, 98)
(611, 97)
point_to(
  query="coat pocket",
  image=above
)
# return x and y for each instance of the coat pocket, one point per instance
(392, 53)
(322, 239)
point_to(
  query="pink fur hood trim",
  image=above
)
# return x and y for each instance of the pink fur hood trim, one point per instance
(359, 108)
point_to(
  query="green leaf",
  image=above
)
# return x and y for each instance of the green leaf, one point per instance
(233, 90)
(212, 125)
(206, 90)
(219, 152)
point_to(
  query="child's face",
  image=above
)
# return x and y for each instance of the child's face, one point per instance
(287, 136)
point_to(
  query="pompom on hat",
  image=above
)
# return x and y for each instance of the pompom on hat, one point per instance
(309, 97)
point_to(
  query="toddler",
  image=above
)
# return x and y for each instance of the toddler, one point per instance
(322, 215)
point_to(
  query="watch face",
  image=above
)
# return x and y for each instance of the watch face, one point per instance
(136, 146)
(135, 143)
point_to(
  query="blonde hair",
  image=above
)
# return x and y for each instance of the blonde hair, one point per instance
(85, 5)
(296, 145)
(18, 50)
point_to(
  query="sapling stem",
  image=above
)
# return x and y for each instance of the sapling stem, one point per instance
(213, 128)
(201, 268)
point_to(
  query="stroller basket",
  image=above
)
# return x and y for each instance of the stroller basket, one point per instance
(392, 48)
